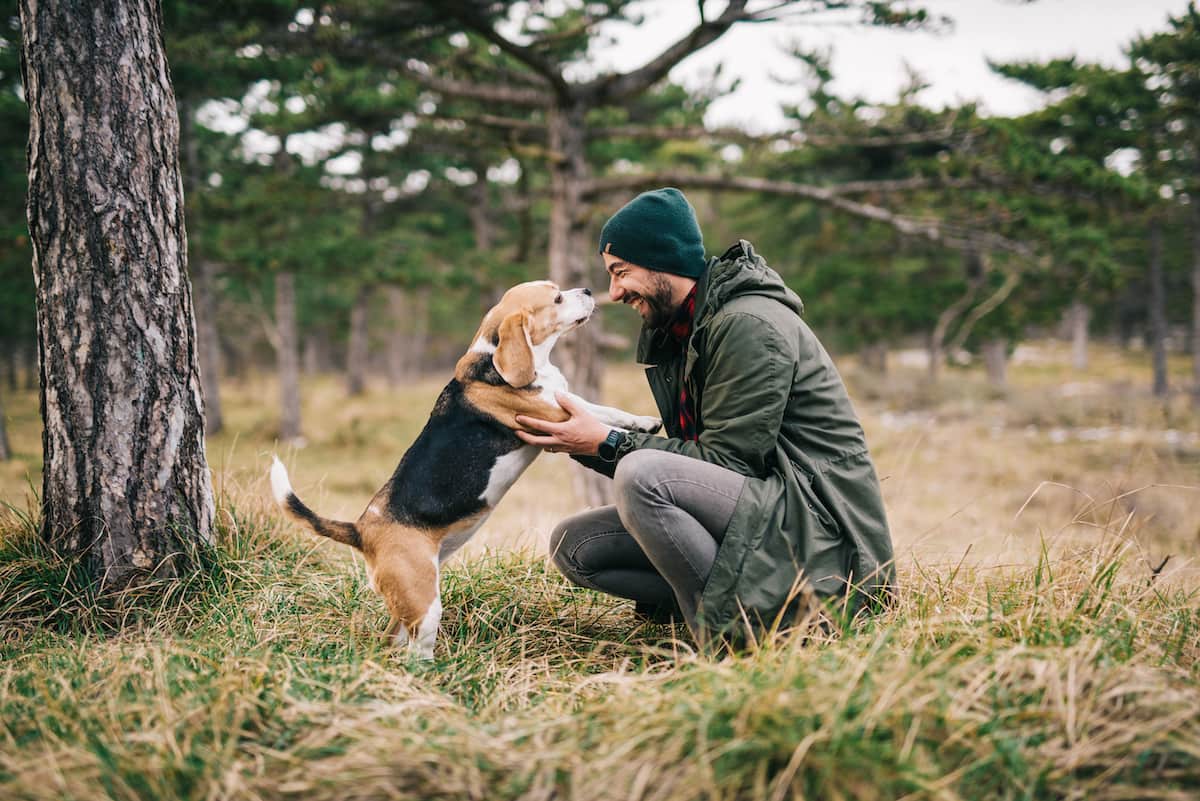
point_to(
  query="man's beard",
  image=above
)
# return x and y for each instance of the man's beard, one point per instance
(660, 309)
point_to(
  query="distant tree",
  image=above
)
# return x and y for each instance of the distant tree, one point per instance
(126, 483)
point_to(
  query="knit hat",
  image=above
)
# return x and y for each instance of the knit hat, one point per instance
(656, 230)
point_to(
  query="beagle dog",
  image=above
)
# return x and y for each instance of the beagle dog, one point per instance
(465, 459)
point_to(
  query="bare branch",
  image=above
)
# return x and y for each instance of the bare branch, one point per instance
(530, 98)
(930, 229)
(530, 58)
(613, 88)
(1011, 278)
(798, 138)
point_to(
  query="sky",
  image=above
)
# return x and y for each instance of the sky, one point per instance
(870, 62)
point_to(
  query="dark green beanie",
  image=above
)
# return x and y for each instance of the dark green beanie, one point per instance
(656, 230)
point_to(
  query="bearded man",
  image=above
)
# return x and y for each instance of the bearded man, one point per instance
(762, 495)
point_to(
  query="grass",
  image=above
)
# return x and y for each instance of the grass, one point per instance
(1035, 653)
(1073, 677)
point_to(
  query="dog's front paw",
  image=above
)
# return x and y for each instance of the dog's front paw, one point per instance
(646, 425)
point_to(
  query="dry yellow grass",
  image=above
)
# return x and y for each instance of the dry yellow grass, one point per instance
(1045, 662)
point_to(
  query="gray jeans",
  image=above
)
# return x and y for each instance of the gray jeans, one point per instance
(657, 545)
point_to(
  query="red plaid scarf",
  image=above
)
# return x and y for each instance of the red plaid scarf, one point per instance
(681, 330)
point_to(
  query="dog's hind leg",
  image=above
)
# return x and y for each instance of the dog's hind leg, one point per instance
(409, 586)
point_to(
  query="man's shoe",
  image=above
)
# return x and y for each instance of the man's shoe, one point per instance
(662, 614)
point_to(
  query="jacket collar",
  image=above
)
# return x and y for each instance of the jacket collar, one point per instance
(656, 345)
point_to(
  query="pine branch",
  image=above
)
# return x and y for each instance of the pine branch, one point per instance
(796, 137)
(465, 14)
(611, 89)
(529, 98)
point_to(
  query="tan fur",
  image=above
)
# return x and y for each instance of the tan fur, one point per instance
(505, 403)
(401, 560)
(513, 357)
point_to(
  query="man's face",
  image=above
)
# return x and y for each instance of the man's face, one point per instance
(645, 290)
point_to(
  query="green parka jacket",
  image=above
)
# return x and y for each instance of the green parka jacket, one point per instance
(771, 406)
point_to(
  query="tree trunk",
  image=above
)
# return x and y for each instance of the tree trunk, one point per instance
(569, 249)
(209, 347)
(874, 357)
(1080, 316)
(1158, 310)
(933, 347)
(1196, 304)
(5, 450)
(357, 351)
(311, 356)
(126, 484)
(399, 351)
(10, 364)
(995, 360)
(287, 356)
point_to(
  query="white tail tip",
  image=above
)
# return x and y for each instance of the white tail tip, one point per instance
(280, 485)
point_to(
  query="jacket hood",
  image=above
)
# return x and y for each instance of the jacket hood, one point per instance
(741, 271)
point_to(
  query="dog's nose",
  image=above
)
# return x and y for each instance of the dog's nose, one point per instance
(587, 292)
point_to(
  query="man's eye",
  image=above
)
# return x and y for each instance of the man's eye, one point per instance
(559, 298)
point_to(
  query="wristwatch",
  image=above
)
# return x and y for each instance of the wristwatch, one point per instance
(607, 450)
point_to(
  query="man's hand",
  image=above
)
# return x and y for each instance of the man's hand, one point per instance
(580, 435)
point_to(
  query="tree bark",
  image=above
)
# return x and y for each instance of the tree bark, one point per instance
(995, 360)
(1080, 315)
(357, 350)
(874, 357)
(9, 350)
(1196, 304)
(582, 364)
(933, 348)
(5, 450)
(126, 485)
(1158, 310)
(209, 346)
(287, 356)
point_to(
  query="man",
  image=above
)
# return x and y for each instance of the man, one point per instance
(763, 493)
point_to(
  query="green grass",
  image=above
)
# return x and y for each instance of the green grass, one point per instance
(263, 676)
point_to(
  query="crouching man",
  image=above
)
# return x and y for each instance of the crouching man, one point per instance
(762, 495)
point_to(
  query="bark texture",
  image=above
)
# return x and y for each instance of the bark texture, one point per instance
(1080, 315)
(1158, 311)
(126, 484)
(357, 349)
(287, 356)
(995, 360)
(5, 450)
(1196, 304)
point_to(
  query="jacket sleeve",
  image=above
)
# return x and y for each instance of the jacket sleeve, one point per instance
(596, 463)
(747, 380)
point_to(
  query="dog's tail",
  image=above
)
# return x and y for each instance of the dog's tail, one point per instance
(336, 530)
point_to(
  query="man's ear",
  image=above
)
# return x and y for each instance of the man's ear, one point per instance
(513, 357)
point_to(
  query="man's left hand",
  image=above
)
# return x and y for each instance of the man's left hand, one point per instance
(580, 435)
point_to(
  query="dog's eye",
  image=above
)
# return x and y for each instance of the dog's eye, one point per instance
(559, 298)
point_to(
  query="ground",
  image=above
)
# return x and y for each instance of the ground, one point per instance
(1035, 652)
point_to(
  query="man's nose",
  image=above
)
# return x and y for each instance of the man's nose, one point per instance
(614, 291)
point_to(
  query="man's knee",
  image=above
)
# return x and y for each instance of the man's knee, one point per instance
(561, 545)
(636, 479)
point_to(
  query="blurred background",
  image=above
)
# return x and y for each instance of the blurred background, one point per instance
(987, 206)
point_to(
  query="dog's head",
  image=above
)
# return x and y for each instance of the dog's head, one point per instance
(527, 322)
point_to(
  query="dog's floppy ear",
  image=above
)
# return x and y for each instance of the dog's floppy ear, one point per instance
(514, 357)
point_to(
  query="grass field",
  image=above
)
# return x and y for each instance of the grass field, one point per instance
(1034, 653)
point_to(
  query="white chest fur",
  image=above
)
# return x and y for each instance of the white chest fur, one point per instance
(550, 380)
(507, 469)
